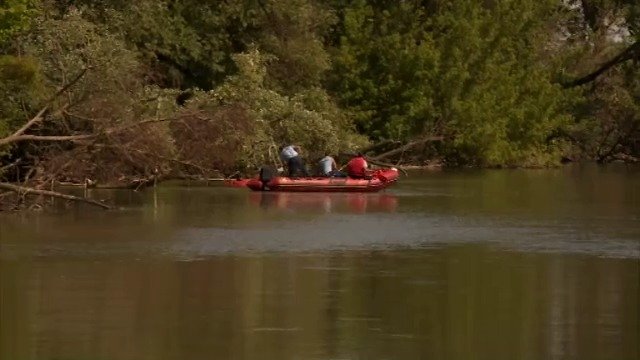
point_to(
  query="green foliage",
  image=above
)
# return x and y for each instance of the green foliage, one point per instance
(185, 43)
(111, 89)
(20, 85)
(323, 75)
(609, 120)
(384, 68)
(111, 94)
(292, 31)
(458, 72)
(309, 118)
(14, 17)
(189, 43)
(606, 120)
(497, 96)
(19, 77)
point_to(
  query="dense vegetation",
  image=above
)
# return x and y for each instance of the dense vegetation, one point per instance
(114, 90)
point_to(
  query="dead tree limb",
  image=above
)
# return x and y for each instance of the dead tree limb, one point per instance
(140, 123)
(66, 87)
(12, 139)
(21, 190)
(19, 134)
(7, 167)
(29, 124)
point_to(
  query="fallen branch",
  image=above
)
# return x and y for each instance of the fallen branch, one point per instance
(12, 139)
(17, 138)
(7, 167)
(21, 190)
(143, 122)
(29, 123)
(177, 161)
(19, 134)
(625, 157)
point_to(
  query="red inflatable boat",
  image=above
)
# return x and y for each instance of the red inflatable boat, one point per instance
(378, 180)
(236, 182)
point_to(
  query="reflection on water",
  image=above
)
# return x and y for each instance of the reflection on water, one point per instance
(358, 203)
(451, 265)
(461, 302)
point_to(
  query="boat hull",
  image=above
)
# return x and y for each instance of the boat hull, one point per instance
(239, 183)
(379, 180)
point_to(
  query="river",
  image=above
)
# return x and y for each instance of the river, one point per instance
(460, 264)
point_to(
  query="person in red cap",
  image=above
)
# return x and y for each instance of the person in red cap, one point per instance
(357, 167)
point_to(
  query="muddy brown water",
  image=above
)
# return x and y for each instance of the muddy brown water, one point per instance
(474, 264)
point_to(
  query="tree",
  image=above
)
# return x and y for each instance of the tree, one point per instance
(292, 31)
(19, 77)
(111, 96)
(603, 52)
(472, 72)
(116, 126)
(309, 118)
(383, 69)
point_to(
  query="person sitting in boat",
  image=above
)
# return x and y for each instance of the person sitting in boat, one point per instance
(357, 167)
(329, 167)
(291, 157)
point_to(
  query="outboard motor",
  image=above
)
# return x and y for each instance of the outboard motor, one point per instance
(266, 174)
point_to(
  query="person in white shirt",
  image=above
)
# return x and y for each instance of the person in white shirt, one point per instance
(329, 167)
(288, 152)
(290, 155)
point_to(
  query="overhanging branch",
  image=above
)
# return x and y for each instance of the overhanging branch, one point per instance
(632, 52)
(19, 134)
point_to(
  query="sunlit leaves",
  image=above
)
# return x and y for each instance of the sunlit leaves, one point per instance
(309, 118)
(469, 71)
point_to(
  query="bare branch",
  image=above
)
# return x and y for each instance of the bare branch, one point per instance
(21, 190)
(7, 167)
(130, 126)
(80, 117)
(13, 139)
(66, 87)
(17, 138)
(29, 123)
(18, 135)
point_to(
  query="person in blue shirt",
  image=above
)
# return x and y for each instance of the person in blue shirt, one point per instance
(290, 155)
